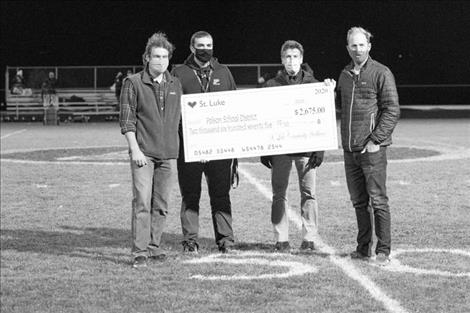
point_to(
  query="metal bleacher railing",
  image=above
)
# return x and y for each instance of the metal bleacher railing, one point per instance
(99, 77)
(94, 82)
(91, 84)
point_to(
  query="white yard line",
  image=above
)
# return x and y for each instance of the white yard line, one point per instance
(396, 266)
(59, 148)
(13, 133)
(346, 265)
(64, 162)
(294, 268)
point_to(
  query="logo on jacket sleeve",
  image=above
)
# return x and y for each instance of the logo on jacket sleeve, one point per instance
(216, 82)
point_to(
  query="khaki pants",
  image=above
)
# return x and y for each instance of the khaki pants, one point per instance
(281, 168)
(50, 100)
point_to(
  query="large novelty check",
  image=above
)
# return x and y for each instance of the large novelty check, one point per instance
(261, 121)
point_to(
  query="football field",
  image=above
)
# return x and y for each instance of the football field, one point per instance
(65, 232)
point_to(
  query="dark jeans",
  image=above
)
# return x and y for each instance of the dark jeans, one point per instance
(218, 177)
(151, 189)
(366, 174)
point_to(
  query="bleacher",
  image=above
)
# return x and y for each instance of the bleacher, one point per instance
(74, 104)
(88, 94)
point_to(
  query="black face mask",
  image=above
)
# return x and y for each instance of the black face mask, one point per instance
(203, 55)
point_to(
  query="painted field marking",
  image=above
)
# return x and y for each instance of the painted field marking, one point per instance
(344, 264)
(59, 148)
(13, 133)
(430, 142)
(16, 161)
(294, 268)
(450, 153)
(396, 266)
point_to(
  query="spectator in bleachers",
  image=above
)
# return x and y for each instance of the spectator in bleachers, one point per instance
(48, 91)
(118, 86)
(263, 79)
(17, 86)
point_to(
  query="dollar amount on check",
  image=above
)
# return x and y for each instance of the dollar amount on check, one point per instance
(261, 121)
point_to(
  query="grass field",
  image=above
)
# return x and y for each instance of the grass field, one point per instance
(65, 232)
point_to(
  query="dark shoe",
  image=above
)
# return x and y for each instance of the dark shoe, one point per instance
(190, 247)
(140, 261)
(225, 249)
(158, 257)
(356, 255)
(307, 246)
(381, 259)
(282, 246)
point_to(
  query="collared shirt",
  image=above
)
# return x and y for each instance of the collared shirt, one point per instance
(295, 79)
(159, 91)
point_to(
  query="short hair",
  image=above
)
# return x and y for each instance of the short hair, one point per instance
(291, 44)
(158, 40)
(199, 34)
(358, 29)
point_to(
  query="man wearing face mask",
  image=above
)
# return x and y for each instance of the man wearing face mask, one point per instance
(306, 163)
(201, 72)
(150, 113)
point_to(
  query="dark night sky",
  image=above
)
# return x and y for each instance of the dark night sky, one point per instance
(432, 37)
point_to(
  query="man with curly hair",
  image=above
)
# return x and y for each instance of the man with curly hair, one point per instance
(149, 117)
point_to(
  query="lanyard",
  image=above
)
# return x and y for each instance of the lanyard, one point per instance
(204, 89)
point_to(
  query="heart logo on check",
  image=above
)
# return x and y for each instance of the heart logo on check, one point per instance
(192, 104)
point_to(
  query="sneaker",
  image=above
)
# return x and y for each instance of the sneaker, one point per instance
(225, 248)
(356, 255)
(307, 246)
(382, 259)
(159, 257)
(190, 247)
(140, 261)
(282, 246)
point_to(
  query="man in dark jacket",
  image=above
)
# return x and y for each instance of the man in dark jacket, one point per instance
(368, 100)
(202, 73)
(149, 118)
(306, 163)
(48, 91)
(118, 86)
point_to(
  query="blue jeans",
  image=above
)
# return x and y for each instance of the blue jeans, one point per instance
(281, 168)
(151, 189)
(366, 175)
